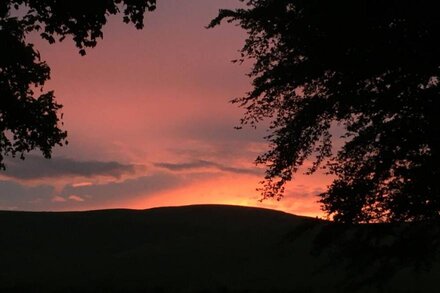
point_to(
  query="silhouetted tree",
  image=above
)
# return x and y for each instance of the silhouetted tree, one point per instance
(368, 68)
(29, 117)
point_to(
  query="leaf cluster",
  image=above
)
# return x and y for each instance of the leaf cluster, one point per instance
(29, 115)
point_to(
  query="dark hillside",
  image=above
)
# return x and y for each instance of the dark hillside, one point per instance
(208, 248)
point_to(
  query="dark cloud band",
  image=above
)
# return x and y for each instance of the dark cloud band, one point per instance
(197, 164)
(35, 167)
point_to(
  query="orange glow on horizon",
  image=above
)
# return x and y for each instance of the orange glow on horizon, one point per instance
(232, 190)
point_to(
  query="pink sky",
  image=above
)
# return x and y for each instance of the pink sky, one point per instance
(149, 122)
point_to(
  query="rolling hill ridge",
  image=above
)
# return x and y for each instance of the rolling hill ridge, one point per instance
(210, 248)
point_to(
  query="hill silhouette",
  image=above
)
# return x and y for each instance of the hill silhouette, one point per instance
(209, 248)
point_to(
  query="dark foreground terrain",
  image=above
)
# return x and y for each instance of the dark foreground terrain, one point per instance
(211, 248)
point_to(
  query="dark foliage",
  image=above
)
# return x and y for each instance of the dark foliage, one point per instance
(29, 116)
(368, 67)
(371, 254)
(375, 253)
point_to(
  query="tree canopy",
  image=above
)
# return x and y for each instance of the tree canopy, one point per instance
(368, 67)
(29, 115)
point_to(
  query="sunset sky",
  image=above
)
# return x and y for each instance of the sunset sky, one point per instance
(149, 122)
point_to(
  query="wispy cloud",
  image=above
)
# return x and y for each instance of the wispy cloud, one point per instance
(76, 198)
(114, 192)
(198, 164)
